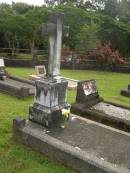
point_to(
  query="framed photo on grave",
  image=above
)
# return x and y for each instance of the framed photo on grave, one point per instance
(89, 87)
(40, 70)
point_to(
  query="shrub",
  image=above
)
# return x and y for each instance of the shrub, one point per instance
(105, 55)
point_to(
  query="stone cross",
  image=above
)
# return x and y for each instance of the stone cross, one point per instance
(55, 29)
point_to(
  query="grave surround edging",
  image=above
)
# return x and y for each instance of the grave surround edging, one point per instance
(86, 112)
(60, 151)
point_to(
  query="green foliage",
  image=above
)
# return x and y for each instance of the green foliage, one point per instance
(116, 32)
(87, 38)
(89, 21)
(21, 8)
(77, 19)
(111, 8)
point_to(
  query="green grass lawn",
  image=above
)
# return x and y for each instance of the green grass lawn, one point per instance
(15, 158)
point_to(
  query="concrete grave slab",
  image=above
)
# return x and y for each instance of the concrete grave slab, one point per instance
(40, 71)
(91, 106)
(84, 145)
(18, 87)
(21, 88)
(2, 69)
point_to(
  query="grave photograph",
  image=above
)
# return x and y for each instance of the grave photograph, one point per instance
(64, 67)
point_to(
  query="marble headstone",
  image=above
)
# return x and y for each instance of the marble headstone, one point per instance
(51, 90)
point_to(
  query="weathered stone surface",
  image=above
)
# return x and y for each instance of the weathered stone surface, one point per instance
(51, 90)
(18, 87)
(84, 145)
(106, 113)
(50, 99)
(14, 85)
(54, 28)
(91, 106)
(18, 123)
(87, 93)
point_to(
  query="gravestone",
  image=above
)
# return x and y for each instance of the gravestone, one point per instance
(40, 71)
(51, 90)
(87, 93)
(2, 69)
(126, 92)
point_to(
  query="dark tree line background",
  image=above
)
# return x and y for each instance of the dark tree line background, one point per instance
(91, 22)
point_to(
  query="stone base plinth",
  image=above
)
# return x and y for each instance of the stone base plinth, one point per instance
(49, 101)
(21, 88)
(84, 145)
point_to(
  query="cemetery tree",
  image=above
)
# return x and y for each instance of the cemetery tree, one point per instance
(111, 8)
(12, 27)
(35, 18)
(124, 11)
(81, 17)
(21, 8)
(116, 32)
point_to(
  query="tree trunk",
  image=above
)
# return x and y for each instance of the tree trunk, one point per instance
(34, 53)
(13, 49)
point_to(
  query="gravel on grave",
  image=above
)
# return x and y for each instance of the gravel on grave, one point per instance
(98, 140)
(112, 110)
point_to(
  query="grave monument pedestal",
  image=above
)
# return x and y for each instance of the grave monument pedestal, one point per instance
(50, 99)
(51, 90)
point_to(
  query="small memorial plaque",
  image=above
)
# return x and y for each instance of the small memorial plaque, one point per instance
(51, 90)
(40, 70)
